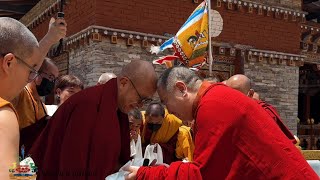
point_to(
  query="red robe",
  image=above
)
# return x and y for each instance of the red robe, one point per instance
(276, 117)
(235, 139)
(87, 138)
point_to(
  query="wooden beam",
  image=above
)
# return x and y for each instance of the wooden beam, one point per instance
(15, 8)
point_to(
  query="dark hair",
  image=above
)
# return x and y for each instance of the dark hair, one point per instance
(159, 110)
(68, 81)
(135, 113)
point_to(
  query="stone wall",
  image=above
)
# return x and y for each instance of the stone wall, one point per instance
(90, 61)
(277, 85)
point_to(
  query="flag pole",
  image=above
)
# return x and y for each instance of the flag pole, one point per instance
(209, 43)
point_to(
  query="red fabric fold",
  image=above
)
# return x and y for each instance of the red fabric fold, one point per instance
(87, 138)
(235, 139)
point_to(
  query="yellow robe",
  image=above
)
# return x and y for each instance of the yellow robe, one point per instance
(29, 109)
(185, 145)
(169, 127)
(171, 124)
(4, 103)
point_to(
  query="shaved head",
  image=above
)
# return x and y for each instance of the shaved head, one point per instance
(155, 109)
(141, 72)
(240, 82)
(137, 84)
(170, 76)
(105, 77)
(16, 38)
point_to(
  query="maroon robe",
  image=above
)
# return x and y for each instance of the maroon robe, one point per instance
(87, 138)
(234, 139)
(276, 117)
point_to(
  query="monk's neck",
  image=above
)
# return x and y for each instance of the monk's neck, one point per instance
(5, 92)
(34, 92)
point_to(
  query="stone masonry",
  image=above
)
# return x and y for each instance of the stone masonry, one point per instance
(278, 85)
(90, 61)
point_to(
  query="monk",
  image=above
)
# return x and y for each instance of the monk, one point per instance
(165, 129)
(88, 136)
(243, 84)
(19, 64)
(230, 135)
(105, 77)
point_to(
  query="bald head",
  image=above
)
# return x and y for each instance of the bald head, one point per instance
(136, 85)
(239, 82)
(155, 109)
(105, 77)
(142, 73)
(16, 38)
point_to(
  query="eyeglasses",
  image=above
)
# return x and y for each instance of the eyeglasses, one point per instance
(141, 99)
(33, 74)
(50, 77)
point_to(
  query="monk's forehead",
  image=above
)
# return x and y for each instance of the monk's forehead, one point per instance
(156, 108)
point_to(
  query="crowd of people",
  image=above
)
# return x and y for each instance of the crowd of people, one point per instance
(206, 129)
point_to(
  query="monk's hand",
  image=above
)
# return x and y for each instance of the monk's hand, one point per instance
(57, 30)
(132, 172)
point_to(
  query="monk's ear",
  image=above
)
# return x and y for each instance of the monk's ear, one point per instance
(123, 81)
(58, 91)
(7, 62)
(181, 87)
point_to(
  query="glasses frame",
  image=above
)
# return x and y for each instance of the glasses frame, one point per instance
(51, 77)
(141, 99)
(36, 73)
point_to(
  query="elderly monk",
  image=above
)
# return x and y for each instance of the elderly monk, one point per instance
(20, 57)
(230, 135)
(105, 77)
(166, 130)
(89, 133)
(243, 84)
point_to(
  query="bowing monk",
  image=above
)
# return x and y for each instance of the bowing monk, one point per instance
(20, 57)
(88, 136)
(230, 135)
(165, 129)
(243, 84)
